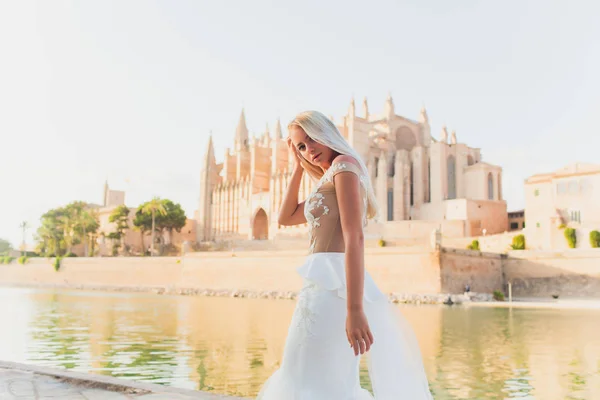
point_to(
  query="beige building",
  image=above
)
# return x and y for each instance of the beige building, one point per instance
(135, 242)
(416, 177)
(567, 197)
(516, 220)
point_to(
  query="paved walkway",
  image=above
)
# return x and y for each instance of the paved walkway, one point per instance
(24, 382)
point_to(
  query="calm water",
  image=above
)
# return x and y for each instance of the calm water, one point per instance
(231, 346)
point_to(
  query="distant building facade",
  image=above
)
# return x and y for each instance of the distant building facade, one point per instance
(516, 220)
(416, 178)
(133, 240)
(567, 197)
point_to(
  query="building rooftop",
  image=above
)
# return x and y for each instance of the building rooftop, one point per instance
(569, 170)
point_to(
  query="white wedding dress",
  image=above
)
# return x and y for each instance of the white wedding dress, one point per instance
(318, 362)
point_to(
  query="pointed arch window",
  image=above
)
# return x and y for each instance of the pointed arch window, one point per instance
(451, 162)
(490, 184)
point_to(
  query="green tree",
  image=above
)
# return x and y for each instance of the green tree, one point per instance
(87, 226)
(518, 242)
(173, 219)
(50, 234)
(63, 227)
(153, 207)
(83, 222)
(5, 246)
(571, 236)
(142, 223)
(595, 239)
(120, 217)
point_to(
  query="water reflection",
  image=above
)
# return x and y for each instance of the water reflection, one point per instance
(231, 346)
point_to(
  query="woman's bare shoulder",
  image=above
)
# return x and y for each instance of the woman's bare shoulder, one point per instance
(344, 158)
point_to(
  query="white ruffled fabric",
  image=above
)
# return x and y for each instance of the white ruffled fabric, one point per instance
(328, 270)
(318, 363)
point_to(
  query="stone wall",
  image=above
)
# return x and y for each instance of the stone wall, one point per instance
(395, 271)
(481, 271)
(574, 273)
(569, 273)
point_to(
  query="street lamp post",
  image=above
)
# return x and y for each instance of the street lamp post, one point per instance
(24, 226)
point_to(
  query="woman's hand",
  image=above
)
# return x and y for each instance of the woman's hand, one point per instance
(293, 153)
(358, 331)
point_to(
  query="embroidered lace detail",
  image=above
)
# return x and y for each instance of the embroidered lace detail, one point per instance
(334, 168)
(321, 209)
(305, 315)
(310, 206)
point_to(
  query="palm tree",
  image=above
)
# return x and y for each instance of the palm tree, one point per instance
(24, 226)
(152, 207)
(88, 225)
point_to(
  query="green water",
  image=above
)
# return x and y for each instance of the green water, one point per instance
(231, 346)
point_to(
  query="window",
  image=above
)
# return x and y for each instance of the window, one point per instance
(390, 204)
(537, 224)
(575, 216)
(573, 187)
(585, 187)
(412, 184)
(514, 225)
(451, 177)
(490, 186)
(561, 187)
(392, 167)
(499, 187)
(376, 166)
(428, 197)
(536, 192)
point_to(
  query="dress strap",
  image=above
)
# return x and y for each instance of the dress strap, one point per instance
(339, 167)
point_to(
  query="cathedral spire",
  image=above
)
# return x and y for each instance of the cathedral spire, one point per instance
(453, 137)
(423, 118)
(365, 109)
(278, 129)
(210, 151)
(444, 135)
(352, 109)
(241, 133)
(389, 107)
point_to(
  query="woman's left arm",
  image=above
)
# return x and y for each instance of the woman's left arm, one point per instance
(350, 204)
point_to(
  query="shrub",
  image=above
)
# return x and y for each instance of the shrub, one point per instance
(56, 264)
(8, 259)
(381, 243)
(571, 237)
(474, 245)
(562, 226)
(518, 242)
(69, 254)
(498, 295)
(595, 239)
(22, 260)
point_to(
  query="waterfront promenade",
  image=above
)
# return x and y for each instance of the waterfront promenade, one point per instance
(27, 382)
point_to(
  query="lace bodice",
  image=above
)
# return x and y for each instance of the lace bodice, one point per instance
(323, 214)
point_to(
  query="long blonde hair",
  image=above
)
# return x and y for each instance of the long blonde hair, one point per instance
(320, 129)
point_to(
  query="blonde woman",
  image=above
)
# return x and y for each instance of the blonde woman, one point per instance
(341, 314)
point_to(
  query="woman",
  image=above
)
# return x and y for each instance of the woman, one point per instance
(340, 314)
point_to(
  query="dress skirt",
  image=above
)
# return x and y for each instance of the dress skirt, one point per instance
(318, 362)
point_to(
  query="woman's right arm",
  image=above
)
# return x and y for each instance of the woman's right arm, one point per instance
(292, 212)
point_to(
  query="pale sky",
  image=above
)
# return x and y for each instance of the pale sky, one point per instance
(129, 90)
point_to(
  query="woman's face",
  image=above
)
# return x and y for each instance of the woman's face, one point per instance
(315, 153)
